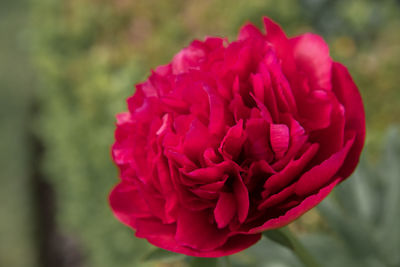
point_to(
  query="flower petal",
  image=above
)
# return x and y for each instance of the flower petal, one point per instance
(322, 174)
(295, 212)
(242, 198)
(225, 209)
(249, 31)
(233, 245)
(311, 55)
(349, 96)
(232, 144)
(127, 204)
(194, 230)
(279, 137)
(291, 171)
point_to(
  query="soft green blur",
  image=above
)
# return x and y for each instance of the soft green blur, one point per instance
(76, 61)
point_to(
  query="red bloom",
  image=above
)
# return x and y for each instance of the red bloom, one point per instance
(232, 139)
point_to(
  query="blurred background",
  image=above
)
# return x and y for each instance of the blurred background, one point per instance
(66, 68)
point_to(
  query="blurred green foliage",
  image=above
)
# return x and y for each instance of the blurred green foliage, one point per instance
(17, 246)
(87, 56)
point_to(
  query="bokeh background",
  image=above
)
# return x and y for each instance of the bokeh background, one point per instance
(66, 68)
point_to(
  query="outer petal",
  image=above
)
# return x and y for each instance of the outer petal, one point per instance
(188, 58)
(291, 171)
(233, 245)
(242, 198)
(275, 35)
(127, 204)
(311, 55)
(194, 230)
(225, 209)
(231, 145)
(321, 174)
(349, 96)
(292, 214)
(279, 135)
(249, 31)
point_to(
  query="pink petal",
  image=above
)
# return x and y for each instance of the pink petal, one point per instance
(167, 190)
(136, 100)
(147, 88)
(186, 197)
(279, 137)
(277, 198)
(194, 230)
(249, 31)
(283, 92)
(281, 45)
(180, 159)
(257, 143)
(217, 120)
(311, 55)
(147, 227)
(232, 143)
(217, 186)
(316, 109)
(259, 170)
(211, 158)
(291, 215)
(196, 140)
(331, 139)
(188, 58)
(239, 110)
(349, 96)
(225, 209)
(275, 34)
(173, 104)
(233, 245)
(269, 94)
(211, 190)
(123, 117)
(205, 194)
(209, 174)
(123, 155)
(160, 83)
(291, 171)
(258, 86)
(127, 204)
(242, 198)
(322, 174)
(155, 201)
(297, 141)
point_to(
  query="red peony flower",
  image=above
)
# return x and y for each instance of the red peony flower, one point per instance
(232, 139)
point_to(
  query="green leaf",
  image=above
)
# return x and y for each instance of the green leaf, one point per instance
(278, 237)
(284, 237)
(389, 231)
(354, 234)
(159, 254)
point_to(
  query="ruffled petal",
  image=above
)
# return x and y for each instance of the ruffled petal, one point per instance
(127, 204)
(225, 209)
(249, 31)
(349, 96)
(195, 231)
(321, 174)
(295, 212)
(311, 55)
(279, 135)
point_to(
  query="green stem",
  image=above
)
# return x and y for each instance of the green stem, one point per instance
(286, 238)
